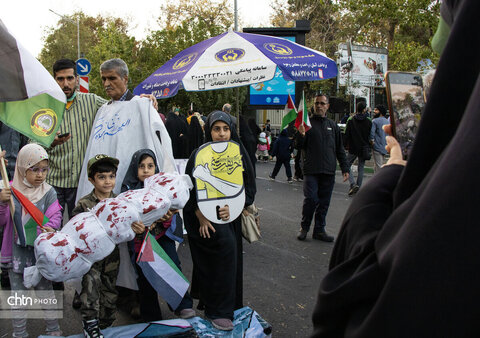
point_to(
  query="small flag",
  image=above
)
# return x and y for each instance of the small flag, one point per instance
(32, 218)
(31, 101)
(290, 112)
(162, 273)
(302, 116)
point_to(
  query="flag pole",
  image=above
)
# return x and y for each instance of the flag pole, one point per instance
(6, 184)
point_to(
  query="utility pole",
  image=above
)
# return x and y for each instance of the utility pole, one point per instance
(237, 94)
(78, 29)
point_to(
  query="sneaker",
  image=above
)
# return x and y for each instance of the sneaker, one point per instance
(289, 180)
(77, 303)
(223, 324)
(323, 236)
(185, 313)
(353, 190)
(91, 329)
(271, 177)
(302, 234)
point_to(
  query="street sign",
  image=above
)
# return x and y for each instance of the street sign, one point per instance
(83, 67)
(83, 84)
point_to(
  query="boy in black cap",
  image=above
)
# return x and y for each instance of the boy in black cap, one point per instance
(99, 295)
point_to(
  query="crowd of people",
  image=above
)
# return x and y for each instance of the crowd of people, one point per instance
(53, 178)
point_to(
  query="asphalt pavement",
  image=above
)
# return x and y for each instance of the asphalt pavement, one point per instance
(281, 273)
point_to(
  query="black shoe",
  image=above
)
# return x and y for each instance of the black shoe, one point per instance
(289, 180)
(353, 190)
(271, 177)
(323, 236)
(302, 234)
(77, 303)
(91, 329)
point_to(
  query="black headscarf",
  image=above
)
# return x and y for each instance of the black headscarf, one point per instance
(406, 262)
(131, 181)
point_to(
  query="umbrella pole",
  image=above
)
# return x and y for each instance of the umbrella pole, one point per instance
(237, 109)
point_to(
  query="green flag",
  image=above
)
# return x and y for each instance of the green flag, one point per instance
(31, 101)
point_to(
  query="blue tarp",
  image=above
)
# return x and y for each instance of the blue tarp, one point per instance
(248, 324)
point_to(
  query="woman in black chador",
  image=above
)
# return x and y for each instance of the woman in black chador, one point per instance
(406, 262)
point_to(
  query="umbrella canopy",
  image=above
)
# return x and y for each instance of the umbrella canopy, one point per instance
(235, 59)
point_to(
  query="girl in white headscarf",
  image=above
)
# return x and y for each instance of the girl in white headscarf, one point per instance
(17, 248)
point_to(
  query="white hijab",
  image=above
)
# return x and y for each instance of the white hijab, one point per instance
(27, 157)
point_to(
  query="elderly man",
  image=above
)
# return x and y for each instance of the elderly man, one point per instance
(322, 147)
(124, 125)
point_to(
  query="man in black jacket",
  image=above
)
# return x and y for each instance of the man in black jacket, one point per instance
(321, 147)
(357, 141)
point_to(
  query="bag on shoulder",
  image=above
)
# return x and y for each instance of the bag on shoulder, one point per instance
(250, 224)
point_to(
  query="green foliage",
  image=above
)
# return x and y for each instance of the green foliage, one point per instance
(405, 27)
(113, 42)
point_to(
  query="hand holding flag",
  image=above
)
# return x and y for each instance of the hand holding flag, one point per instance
(290, 113)
(302, 117)
(161, 272)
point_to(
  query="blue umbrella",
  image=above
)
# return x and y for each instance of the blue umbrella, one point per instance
(235, 59)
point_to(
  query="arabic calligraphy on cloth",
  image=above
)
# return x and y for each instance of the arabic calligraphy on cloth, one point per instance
(119, 130)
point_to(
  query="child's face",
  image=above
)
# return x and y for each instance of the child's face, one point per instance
(103, 182)
(220, 131)
(37, 173)
(146, 168)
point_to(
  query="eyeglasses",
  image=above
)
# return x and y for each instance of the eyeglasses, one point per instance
(321, 103)
(37, 170)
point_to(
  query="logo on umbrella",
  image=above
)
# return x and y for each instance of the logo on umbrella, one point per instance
(184, 61)
(229, 55)
(277, 48)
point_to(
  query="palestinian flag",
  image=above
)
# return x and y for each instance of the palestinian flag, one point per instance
(31, 101)
(161, 272)
(31, 218)
(302, 116)
(290, 113)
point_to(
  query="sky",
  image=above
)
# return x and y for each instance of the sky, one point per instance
(28, 19)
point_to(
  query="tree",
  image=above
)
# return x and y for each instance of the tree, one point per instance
(101, 38)
(113, 42)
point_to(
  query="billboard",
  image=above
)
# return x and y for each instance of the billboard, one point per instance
(274, 92)
(369, 65)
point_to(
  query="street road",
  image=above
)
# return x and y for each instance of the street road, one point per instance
(281, 274)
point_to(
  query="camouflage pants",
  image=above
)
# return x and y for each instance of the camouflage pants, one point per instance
(99, 295)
